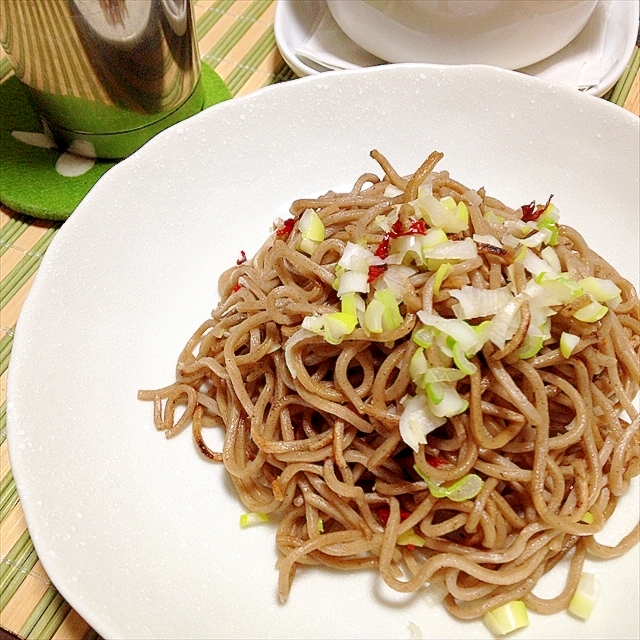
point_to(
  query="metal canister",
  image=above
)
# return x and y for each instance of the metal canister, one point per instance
(109, 73)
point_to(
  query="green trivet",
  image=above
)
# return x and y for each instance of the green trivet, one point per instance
(29, 182)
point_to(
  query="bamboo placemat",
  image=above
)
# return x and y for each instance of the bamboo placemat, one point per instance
(236, 39)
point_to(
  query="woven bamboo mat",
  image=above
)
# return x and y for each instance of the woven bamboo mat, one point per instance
(236, 39)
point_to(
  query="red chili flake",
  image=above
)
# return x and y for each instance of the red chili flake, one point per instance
(383, 248)
(436, 461)
(384, 512)
(411, 547)
(242, 258)
(417, 228)
(237, 287)
(529, 213)
(375, 271)
(532, 211)
(286, 228)
(396, 229)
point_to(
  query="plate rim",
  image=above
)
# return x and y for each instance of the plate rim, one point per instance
(60, 242)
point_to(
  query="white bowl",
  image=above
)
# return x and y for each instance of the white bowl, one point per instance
(505, 33)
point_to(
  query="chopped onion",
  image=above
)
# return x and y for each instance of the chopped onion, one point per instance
(462, 362)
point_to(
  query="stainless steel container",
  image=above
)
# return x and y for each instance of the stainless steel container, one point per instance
(111, 73)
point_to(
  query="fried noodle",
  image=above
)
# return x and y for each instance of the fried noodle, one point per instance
(315, 442)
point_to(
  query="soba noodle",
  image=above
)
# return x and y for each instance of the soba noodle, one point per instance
(312, 428)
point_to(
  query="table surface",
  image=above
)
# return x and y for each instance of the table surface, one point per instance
(237, 39)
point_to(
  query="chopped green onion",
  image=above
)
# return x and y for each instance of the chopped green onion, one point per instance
(435, 392)
(451, 403)
(441, 274)
(356, 258)
(418, 366)
(587, 517)
(591, 313)
(307, 246)
(507, 618)
(353, 282)
(320, 525)
(391, 316)
(443, 214)
(373, 316)
(602, 290)
(410, 537)
(568, 342)
(442, 374)
(448, 203)
(337, 326)
(462, 332)
(547, 221)
(491, 216)
(348, 305)
(479, 303)
(550, 255)
(251, 518)
(416, 421)
(311, 227)
(530, 346)
(585, 597)
(466, 488)
(462, 362)
(423, 337)
(451, 250)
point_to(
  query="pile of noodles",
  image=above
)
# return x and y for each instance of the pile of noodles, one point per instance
(320, 452)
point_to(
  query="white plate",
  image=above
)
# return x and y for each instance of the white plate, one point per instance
(140, 534)
(294, 22)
